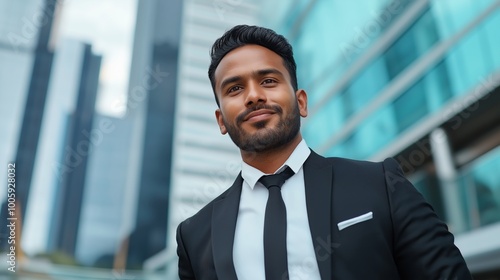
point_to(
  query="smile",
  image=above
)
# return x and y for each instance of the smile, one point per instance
(259, 115)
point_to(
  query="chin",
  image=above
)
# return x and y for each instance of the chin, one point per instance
(260, 124)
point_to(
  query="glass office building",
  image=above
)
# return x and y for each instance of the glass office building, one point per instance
(25, 65)
(414, 80)
(150, 109)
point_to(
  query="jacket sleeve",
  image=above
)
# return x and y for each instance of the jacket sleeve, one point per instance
(423, 246)
(185, 269)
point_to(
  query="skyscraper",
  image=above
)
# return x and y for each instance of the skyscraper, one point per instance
(35, 100)
(72, 167)
(57, 159)
(56, 123)
(151, 105)
(103, 201)
(26, 30)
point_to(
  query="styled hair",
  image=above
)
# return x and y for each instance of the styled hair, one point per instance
(242, 35)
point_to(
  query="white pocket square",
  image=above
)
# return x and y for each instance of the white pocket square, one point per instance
(355, 220)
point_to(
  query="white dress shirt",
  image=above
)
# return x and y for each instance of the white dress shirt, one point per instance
(248, 250)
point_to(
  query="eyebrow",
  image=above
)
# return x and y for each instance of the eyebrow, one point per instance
(230, 80)
(264, 72)
(261, 72)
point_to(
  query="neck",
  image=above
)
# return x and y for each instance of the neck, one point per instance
(270, 160)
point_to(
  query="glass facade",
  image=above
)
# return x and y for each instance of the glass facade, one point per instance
(381, 78)
(448, 78)
(20, 22)
(480, 190)
(467, 64)
(103, 203)
(325, 48)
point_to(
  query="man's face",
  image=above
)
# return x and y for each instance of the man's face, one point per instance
(258, 106)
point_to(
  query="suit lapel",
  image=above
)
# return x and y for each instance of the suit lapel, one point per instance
(224, 217)
(318, 178)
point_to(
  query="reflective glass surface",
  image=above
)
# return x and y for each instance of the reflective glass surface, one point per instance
(330, 39)
(480, 188)
(465, 66)
(453, 15)
(323, 124)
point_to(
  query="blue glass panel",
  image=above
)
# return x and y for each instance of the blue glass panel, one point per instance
(455, 64)
(370, 81)
(335, 33)
(377, 131)
(323, 124)
(454, 15)
(415, 42)
(437, 87)
(468, 201)
(471, 60)
(419, 38)
(316, 42)
(320, 86)
(486, 175)
(283, 19)
(410, 106)
(443, 18)
(464, 67)
(492, 40)
(480, 187)
(473, 63)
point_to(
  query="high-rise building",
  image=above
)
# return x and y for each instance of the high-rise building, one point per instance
(76, 147)
(26, 55)
(103, 203)
(151, 106)
(417, 81)
(26, 31)
(49, 97)
(56, 158)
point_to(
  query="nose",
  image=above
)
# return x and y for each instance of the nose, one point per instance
(255, 95)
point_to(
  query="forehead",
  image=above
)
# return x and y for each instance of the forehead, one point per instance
(246, 60)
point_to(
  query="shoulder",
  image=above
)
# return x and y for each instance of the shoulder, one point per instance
(355, 170)
(339, 163)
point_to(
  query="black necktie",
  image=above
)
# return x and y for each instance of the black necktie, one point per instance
(275, 258)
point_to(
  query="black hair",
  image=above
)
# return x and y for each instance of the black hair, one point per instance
(242, 35)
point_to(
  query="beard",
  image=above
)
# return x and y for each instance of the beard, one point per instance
(265, 139)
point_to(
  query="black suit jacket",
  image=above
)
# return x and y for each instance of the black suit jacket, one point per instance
(404, 239)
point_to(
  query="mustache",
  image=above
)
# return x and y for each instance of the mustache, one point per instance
(242, 116)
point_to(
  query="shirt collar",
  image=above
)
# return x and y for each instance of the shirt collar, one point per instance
(251, 174)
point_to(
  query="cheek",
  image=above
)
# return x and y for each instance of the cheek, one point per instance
(292, 106)
(227, 113)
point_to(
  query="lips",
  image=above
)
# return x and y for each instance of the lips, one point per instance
(259, 114)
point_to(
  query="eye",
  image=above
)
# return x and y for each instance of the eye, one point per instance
(268, 81)
(234, 88)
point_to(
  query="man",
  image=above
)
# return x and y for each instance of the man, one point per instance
(317, 218)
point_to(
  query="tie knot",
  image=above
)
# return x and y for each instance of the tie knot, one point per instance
(276, 180)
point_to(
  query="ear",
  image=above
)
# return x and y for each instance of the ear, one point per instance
(302, 101)
(220, 121)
